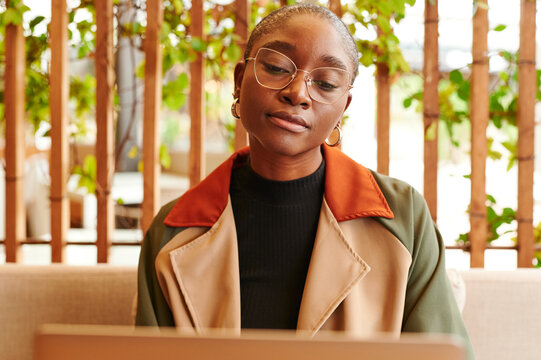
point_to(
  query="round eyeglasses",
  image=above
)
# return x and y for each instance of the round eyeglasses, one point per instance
(276, 71)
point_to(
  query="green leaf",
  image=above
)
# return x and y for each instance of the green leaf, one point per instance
(198, 44)
(463, 91)
(407, 102)
(481, 5)
(491, 214)
(431, 131)
(87, 174)
(12, 17)
(133, 152)
(456, 77)
(233, 52)
(183, 80)
(367, 58)
(506, 55)
(165, 159)
(462, 239)
(35, 21)
(215, 48)
(140, 70)
(500, 27)
(90, 166)
(384, 24)
(175, 102)
(509, 214)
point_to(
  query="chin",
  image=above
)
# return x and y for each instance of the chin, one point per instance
(289, 148)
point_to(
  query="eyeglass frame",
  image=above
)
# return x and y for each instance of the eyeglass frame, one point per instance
(294, 75)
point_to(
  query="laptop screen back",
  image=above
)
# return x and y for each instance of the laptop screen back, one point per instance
(111, 342)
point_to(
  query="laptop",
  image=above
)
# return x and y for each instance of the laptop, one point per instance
(84, 342)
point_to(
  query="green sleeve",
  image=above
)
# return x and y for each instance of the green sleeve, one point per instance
(430, 305)
(152, 308)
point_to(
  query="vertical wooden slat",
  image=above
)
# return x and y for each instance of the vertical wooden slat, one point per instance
(242, 11)
(383, 113)
(14, 78)
(526, 127)
(104, 121)
(336, 7)
(197, 99)
(431, 74)
(479, 121)
(59, 91)
(151, 121)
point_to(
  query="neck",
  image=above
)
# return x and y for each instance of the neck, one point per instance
(282, 167)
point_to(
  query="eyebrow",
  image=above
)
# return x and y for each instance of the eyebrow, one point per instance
(332, 61)
(279, 45)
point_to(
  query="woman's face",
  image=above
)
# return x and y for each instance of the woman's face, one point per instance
(288, 121)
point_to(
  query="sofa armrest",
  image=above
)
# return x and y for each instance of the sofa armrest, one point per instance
(502, 313)
(62, 294)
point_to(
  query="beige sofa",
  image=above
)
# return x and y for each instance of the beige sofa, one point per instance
(35, 295)
(502, 309)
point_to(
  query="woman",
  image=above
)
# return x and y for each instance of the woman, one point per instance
(291, 233)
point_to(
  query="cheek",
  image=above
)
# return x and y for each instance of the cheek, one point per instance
(252, 98)
(332, 116)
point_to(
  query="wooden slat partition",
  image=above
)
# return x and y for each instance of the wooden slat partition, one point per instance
(104, 120)
(479, 121)
(15, 122)
(526, 127)
(242, 11)
(14, 78)
(59, 159)
(336, 7)
(431, 106)
(152, 110)
(383, 113)
(197, 99)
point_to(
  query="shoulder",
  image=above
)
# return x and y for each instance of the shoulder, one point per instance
(158, 234)
(412, 221)
(401, 196)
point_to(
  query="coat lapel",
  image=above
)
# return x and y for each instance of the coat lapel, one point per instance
(334, 269)
(207, 273)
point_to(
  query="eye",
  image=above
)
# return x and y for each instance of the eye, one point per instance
(325, 86)
(275, 69)
(328, 79)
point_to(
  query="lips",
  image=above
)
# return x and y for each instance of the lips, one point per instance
(289, 122)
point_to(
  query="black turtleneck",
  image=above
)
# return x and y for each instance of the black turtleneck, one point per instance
(276, 225)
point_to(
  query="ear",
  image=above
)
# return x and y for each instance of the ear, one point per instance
(239, 75)
(348, 101)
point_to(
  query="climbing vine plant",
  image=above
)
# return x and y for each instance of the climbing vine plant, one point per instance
(454, 97)
(220, 48)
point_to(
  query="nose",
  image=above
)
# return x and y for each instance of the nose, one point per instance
(296, 93)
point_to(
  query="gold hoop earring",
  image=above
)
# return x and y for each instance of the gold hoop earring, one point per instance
(339, 140)
(234, 109)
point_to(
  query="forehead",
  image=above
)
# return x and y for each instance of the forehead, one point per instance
(307, 38)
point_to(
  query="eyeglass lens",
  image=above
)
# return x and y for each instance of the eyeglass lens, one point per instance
(274, 70)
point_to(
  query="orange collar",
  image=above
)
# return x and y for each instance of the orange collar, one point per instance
(350, 190)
